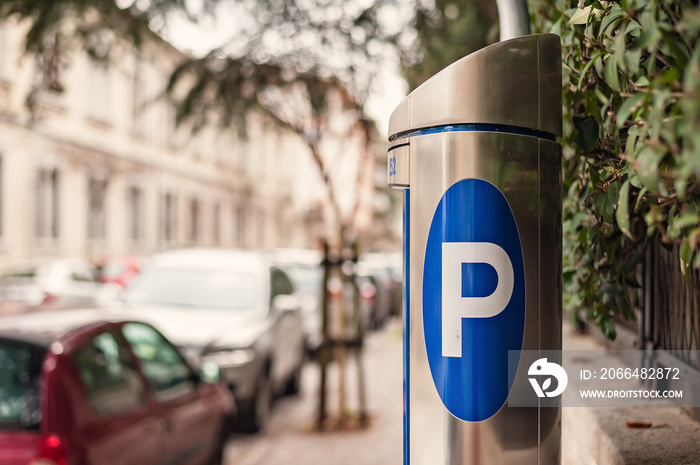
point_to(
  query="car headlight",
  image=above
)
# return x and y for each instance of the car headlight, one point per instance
(230, 357)
(210, 372)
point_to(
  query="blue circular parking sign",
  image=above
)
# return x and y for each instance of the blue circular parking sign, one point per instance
(473, 298)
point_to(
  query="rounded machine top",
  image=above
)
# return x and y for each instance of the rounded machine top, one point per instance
(514, 83)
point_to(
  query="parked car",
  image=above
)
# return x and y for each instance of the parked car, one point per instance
(306, 273)
(231, 307)
(119, 270)
(376, 269)
(65, 283)
(81, 387)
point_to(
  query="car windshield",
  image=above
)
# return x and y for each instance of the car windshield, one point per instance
(20, 371)
(214, 289)
(306, 279)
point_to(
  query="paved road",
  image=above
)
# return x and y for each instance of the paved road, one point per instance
(289, 438)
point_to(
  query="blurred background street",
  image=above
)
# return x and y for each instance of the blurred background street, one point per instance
(198, 242)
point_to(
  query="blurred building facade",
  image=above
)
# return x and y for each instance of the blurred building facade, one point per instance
(92, 164)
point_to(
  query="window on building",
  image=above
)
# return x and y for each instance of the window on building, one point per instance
(216, 235)
(47, 203)
(168, 218)
(239, 230)
(262, 231)
(170, 124)
(96, 208)
(194, 221)
(99, 91)
(280, 226)
(136, 213)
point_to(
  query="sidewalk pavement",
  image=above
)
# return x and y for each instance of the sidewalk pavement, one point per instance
(590, 436)
(290, 439)
(600, 436)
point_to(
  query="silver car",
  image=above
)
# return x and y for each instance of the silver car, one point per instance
(231, 307)
(306, 273)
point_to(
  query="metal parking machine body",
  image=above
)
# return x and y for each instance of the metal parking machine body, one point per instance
(475, 150)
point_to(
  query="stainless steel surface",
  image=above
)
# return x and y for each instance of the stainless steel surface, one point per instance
(550, 283)
(526, 170)
(513, 18)
(514, 83)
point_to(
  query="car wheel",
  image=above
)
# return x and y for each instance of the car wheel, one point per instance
(257, 416)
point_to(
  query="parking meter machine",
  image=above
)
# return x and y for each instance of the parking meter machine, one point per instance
(475, 150)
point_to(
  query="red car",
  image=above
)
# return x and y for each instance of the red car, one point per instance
(82, 388)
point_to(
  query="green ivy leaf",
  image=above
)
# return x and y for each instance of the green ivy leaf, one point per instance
(686, 257)
(631, 144)
(588, 131)
(611, 20)
(632, 104)
(691, 21)
(632, 59)
(642, 204)
(620, 50)
(585, 69)
(688, 219)
(610, 72)
(614, 191)
(622, 214)
(607, 325)
(608, 211)
(650, 35)
(580, 16)
(642, 82)
(628, 106)
(648, 170)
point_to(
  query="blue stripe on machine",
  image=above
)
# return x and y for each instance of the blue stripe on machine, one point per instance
(473, 127)
(406, 323)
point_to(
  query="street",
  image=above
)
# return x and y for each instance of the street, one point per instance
(289, 437)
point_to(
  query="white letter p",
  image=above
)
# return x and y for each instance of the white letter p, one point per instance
(454, 306)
